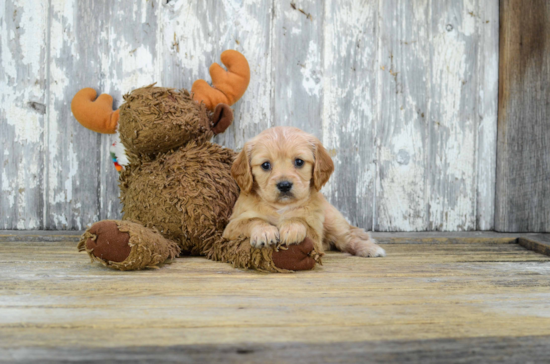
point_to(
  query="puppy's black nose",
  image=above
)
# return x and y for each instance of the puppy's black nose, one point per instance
(284, 186)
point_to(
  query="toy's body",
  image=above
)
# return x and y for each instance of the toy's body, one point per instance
(177, 190)
(187, 194)
(177, 181)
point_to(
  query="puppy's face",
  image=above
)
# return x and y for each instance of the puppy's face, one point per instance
(282, 165)
(282, 168)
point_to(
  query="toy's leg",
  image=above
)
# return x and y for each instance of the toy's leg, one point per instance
(301, 256)
(241, 254)
(126, 245)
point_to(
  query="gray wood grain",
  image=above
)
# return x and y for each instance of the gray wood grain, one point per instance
(350, 105)
(23, 95)
(468, 300)
(72, 152)
(487, 29)
(501, 350)
(427, 130)
(523, 161)
(539, 243)
(402, 93)
(451, 116)
(401, 130)
(297, 64)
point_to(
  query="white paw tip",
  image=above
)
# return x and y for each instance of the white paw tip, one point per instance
(371, 251)
(380, 252)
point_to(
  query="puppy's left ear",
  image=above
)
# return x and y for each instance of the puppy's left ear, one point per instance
(323, 167)
(241, 171)
(221, 118)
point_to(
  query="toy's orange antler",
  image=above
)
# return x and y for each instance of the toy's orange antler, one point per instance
(95, 115)
(229, 85)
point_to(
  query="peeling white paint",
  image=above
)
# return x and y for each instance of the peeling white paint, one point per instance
(25, 122)
(32, 36)
(7, 61)
(349, 81)
(403, 197)
(183, 34)
(468, 26)
(22, 72)
(311, 70)
(8, 190)
(137, 65)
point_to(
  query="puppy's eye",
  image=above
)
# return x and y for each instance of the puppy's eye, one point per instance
(298, 162)
(266, 166)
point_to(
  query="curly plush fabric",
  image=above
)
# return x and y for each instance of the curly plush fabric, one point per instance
(187, 194)
(281, 259)
(137, 246)
(159, 119)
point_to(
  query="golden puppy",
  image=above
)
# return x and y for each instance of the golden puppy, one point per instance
(280, 173)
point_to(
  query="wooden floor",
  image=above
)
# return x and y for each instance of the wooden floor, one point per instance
(432, 299)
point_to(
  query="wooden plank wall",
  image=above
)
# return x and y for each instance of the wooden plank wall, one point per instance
(523, 167)
(402, 92)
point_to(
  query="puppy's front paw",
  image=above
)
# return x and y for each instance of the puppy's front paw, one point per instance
(264, 235)
(292, 233)
(366, 248)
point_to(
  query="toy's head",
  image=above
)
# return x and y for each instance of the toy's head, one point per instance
(157, 119)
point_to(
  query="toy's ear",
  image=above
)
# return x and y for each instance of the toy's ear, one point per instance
(222, 118)
(323, 167)
(229, 85)
(241, 171)
(95, 115)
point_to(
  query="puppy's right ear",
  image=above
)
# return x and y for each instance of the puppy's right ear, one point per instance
(241, 171)
(323, 167)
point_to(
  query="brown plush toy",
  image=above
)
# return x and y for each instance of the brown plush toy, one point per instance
(176, 189)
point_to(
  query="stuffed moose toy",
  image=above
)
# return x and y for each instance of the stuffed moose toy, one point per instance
(176, 187)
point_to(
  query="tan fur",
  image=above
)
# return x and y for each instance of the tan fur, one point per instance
(267, 216)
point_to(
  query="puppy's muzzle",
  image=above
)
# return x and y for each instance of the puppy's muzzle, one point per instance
(284, 186)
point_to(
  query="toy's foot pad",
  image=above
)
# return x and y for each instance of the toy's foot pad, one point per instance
(296, 257)
(109, 244)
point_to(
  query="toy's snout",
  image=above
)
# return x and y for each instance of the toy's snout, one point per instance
(221, 118)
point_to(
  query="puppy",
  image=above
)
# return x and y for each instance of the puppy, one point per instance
(280, 173)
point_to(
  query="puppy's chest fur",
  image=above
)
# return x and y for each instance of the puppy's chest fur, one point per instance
(309, 212)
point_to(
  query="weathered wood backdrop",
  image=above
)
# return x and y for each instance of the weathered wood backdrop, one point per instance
(402, 92)
(523, 164)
